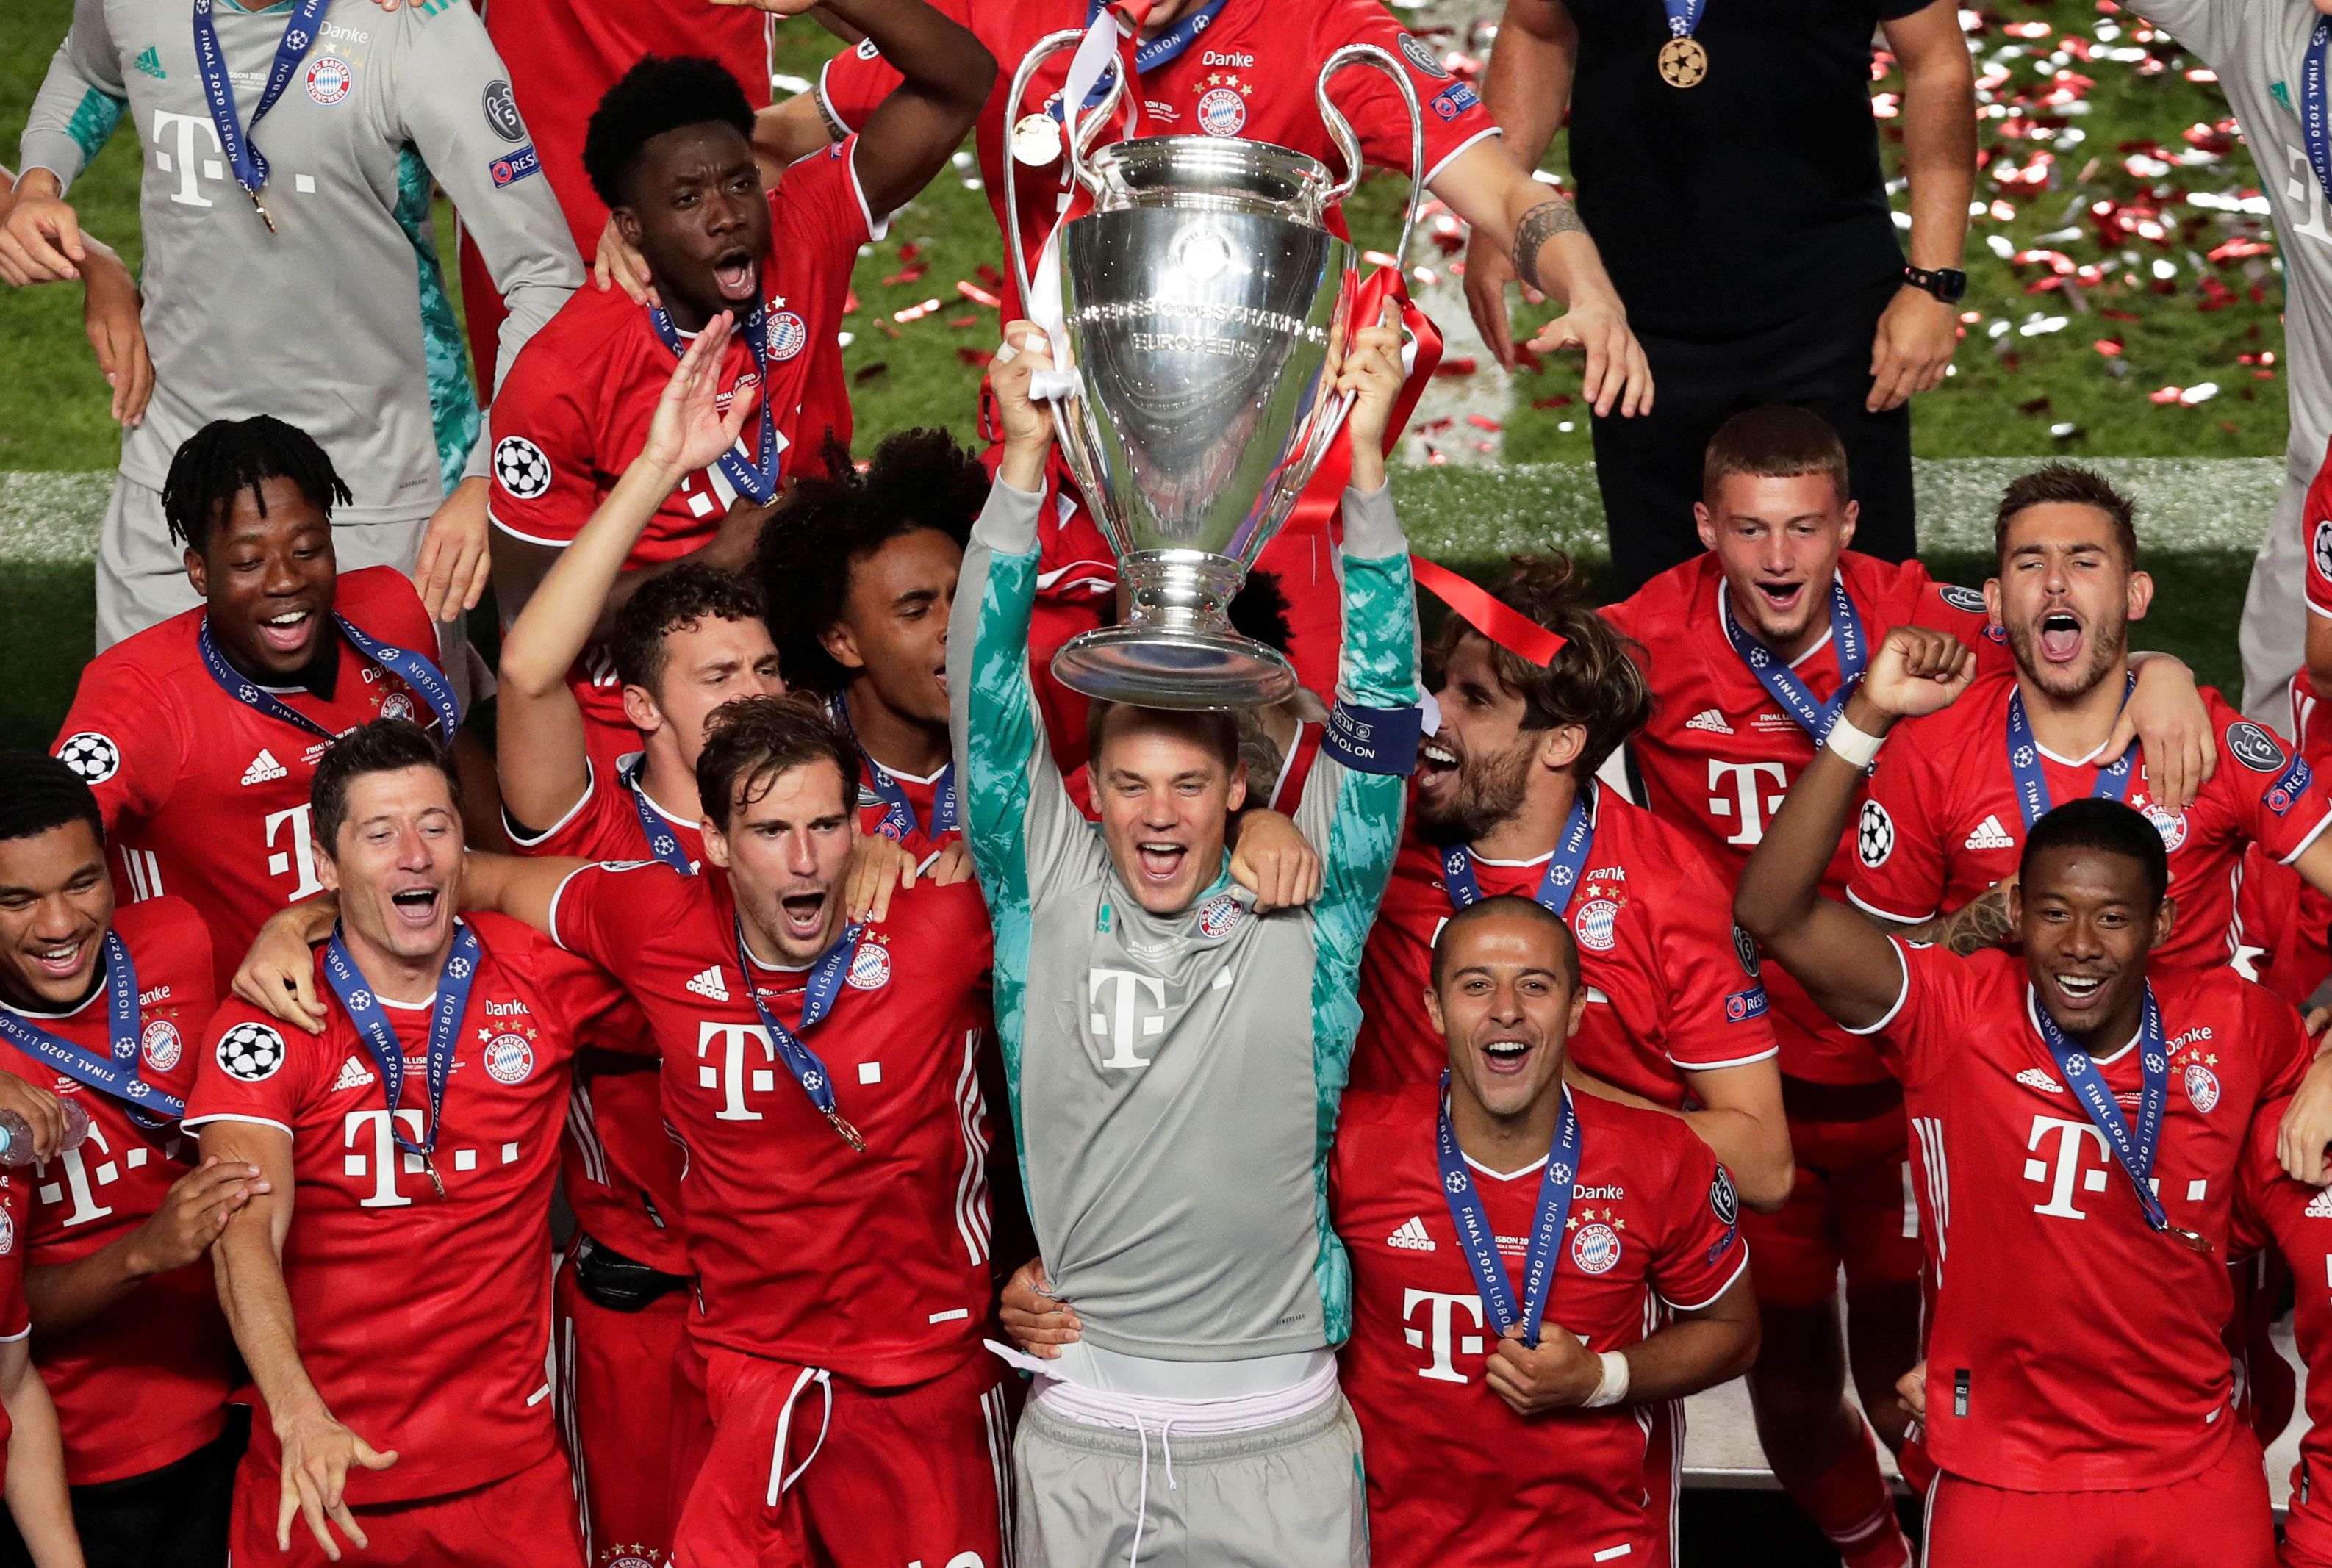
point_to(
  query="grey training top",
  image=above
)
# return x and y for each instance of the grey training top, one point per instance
(339, 323)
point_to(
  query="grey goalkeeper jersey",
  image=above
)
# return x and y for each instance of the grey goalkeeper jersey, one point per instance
(1175, 1079)
(340, 322)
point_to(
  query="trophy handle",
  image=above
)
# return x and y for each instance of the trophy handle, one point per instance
(1339, 131)
(1084, 130)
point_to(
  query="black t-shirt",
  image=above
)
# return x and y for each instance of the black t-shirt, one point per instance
(1751, 199)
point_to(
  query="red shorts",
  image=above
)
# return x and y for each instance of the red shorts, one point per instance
(807, 1468)
(521, 1521)
(1851, 1208)
(2220, 1518)
(627, 1402)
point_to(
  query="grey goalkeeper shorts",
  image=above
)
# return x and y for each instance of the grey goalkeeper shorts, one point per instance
(1288, 1495)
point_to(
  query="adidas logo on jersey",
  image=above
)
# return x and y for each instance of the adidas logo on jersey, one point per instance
(708, 985)
(2320, 1206)
(2035, 1078)
(150, 63)
(1710, 719)
(264, 767)
(354, 1075)
(1411, 1235)
(1990, 835)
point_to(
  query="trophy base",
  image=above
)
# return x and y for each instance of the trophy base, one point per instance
(1153, 667)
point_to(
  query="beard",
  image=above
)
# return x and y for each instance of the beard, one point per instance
(2107, 643)
(1489, 790)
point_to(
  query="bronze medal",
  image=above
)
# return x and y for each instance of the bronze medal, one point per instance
(1683, 62)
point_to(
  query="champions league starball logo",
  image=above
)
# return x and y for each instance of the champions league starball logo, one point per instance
(2321, 549)
(251, 1052)
(93, 757)
(520, 468)
(1874, 835)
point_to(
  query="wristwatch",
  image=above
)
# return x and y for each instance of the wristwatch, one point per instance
(1947, 283)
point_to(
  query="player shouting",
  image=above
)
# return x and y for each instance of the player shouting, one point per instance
(291, 268)
(1176, 1054)
(669, 151)
(97, 1003)
(1746, 649)
(409, 1149)
(1591, 1248)
(2082, 1110)
(689, 641)
(201, 735)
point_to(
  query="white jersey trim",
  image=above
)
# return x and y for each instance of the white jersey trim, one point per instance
(1867, 907)
(525, 840)
(1902, 995)
(2315, 610)
(191, 1122)
(1720, 1066)
(2309, 843)
(558, 894)
(876, 228)
(1730, 1281)
(530, 538)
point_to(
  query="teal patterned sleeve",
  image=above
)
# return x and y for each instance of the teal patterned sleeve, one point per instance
(80, 102)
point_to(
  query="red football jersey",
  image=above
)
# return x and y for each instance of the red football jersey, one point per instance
(2296, 1220)
(145, 1383)
(1942, 822)
(1718, 753)
(424, 1322)
(2316, 517)
(1456, 1478)
(2070, 1347)
(922, 796)
(1249, 74)
(574, 409)
(1667, 991)
(207, 797)
(618, 1167)
(872, 1264)
(15, 1317)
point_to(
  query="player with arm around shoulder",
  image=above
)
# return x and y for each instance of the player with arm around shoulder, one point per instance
(2083, 1112)
(1531, 1266)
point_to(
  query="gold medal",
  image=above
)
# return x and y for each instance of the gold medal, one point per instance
(1683, 62)
(1037, 140)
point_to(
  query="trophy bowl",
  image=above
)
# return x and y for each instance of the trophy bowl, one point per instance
(1196, 303)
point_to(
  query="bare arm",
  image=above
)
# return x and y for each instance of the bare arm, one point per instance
(318, 1450)
(1981, 922)
(788, 133)
(37, 1499)
(1916, 337)
(2319, 655)
(64, 1295)
(1700, 1349)
(1526, 88)
(1740, 1117)
(1847, 964)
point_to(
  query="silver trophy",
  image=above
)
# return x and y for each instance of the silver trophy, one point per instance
(1198, 296)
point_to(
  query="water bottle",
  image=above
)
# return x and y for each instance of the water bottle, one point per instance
(16, 1133)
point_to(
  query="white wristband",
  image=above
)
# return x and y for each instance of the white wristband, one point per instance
(1859, 747)
(1615, 1381)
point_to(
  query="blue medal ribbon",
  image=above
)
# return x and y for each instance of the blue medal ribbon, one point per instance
(1561, 879)
(117, 1075)
(757, 480)
(824, 984)
(899, 820)
(1683, 16)
(2032, 784)
(372, 1025)
(249, 164)
(663, 841)
(1152, 52)
(1479, 1243)
(415, 669)
(2132, 1149)
(1781, 683)
(2315, 126)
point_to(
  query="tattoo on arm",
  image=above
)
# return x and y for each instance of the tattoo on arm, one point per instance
(1540, 223)
(1981, 922)
(835, 129)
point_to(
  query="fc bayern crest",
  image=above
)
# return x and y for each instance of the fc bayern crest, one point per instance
(1219, 915)
(397, 705)
(788, 335)
(870, 967)
(509, 1059)
(2202, 1087)
(7, 1233)
(1596, 1248)
(161, 1045)
(1597, 924)
(2171, 825)
(1222, 111)
(329, 78)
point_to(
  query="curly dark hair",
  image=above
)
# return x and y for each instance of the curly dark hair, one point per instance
(820, 533)
(228, 456)
(661, 92)
(1594, 682)
(675, 600)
